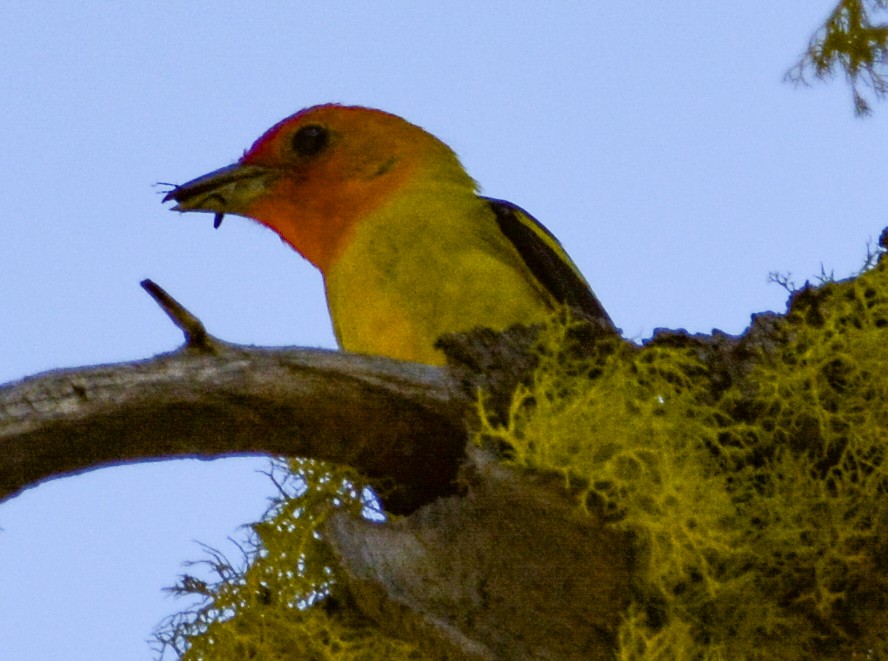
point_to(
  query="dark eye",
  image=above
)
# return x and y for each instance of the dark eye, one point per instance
(309, 140)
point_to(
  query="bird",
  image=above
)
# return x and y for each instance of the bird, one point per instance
(407, 247)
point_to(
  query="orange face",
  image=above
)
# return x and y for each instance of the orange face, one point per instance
(314, 175)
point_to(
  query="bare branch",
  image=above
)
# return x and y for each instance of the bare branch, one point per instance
(196, 336)
(399, 423)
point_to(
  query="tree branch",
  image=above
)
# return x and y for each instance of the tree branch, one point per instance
(510, 570)
(196, 336)
(399, 423)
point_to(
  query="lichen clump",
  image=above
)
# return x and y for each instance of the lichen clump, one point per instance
(759, 503)
(274, 605)
(751, 474)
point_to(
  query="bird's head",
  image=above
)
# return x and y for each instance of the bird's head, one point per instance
(313, 176)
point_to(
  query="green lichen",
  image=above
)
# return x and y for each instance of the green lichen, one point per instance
(758, 503)
(262, 609)
(760, 508)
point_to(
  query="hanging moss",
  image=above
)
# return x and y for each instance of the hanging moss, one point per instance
(274, 605)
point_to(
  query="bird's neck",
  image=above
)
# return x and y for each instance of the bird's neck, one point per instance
(325, 219)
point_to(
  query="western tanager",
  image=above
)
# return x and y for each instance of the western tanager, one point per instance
(407, 248)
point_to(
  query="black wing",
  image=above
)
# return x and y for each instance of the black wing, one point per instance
(550, 266)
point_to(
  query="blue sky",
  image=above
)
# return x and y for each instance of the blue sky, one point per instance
(657, 140)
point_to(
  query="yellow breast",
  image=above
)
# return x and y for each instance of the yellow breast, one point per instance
(433, 261)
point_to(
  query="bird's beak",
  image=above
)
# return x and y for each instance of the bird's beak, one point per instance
(227, 190)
